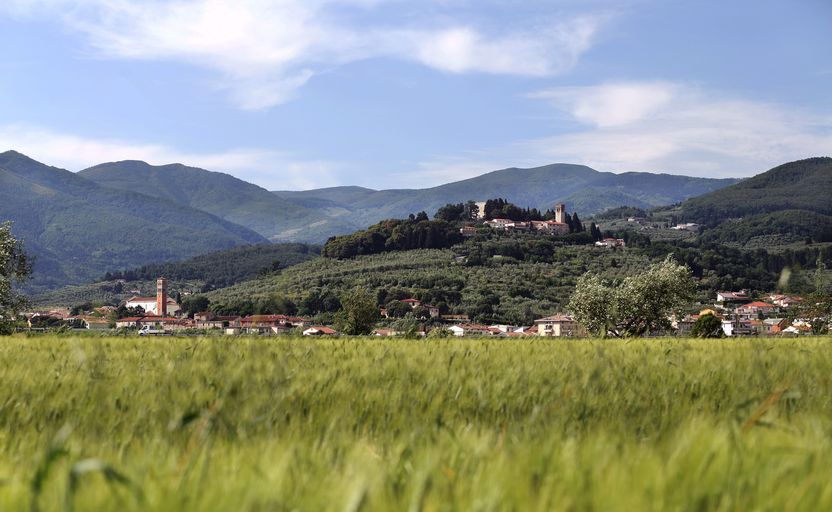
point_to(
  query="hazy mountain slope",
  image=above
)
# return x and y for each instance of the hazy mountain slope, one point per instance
(77, 229)
(223, 195)
(585, 190)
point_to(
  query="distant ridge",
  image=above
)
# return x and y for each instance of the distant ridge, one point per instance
(77, 229)
(582, 188)
(223, 195)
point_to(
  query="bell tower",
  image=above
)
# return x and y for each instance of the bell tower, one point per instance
(162, 297)
(560, 213)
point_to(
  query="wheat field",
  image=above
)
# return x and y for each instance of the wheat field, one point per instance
(273, 424)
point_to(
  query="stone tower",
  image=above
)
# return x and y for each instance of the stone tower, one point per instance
(560, 213)
(162, 297)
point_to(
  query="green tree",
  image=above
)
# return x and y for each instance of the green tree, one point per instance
(358, 314)
(195, 304)
(635, 306)
(14, 269)
(398, 309)
(707, 326)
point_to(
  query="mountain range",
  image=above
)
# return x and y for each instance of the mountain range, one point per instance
(581, 188)
(125, 214)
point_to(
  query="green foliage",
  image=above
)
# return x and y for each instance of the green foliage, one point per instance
(398, 309)
(14, 270)
(223, 268)
(417, 232)
(358, 314)
(248, 424)
(636, 306)
(493, 291)
(707, 326)
(621, 212)
(195, 304)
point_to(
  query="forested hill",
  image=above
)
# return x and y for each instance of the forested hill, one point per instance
(201, 273)
(223, 195)
(582, 188)
(801, 185)
(77, 229)
(793, 199)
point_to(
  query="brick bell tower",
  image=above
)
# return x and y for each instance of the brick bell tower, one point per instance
(162, 297)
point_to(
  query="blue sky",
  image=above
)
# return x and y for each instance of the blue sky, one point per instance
(296, 94)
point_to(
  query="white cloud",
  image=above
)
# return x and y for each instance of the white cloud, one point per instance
(263, 51)
(272, 170)
(672, 127)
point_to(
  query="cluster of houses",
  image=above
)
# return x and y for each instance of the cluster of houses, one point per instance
(741, 315)
(558, 226)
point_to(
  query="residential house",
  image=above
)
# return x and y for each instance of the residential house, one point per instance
(774, 325)
(689, 226)
(468, 231)
(753, 310)
(736, 327)
(558, 325)
(733, 297)
(456, 318)
(270, 324)
(611, 243)
(470, 330)
(319, 330)
(206, 320)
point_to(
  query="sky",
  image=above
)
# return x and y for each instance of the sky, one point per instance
(300, 94)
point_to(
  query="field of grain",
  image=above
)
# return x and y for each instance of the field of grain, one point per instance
(367, 424)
